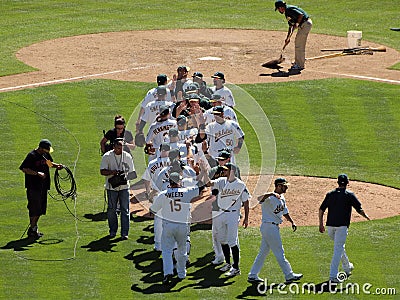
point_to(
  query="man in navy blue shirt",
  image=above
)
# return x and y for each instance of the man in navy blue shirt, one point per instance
(339, 203)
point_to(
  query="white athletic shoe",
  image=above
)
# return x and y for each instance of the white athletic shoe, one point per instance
(218, 260)
(232, 272)
(225, 268)
(295, 277)
(349, 271)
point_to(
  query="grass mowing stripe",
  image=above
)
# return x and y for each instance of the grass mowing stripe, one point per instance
(286, 160)
(353, 114)
(331, 131)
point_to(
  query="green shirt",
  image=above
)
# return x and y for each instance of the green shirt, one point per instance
(292, 14)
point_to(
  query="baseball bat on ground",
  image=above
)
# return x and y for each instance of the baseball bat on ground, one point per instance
(378, 49)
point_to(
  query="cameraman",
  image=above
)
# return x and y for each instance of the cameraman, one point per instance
(117, 165)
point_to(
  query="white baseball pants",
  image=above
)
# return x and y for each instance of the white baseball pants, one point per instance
(271, 240)
(338, 235)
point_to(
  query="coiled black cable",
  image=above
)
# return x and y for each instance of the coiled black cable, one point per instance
(65, 191)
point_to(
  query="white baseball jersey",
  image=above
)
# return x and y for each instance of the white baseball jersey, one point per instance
(231, 194)
(153, 169)
(229, 114)
(222, 136)
(163, 176)
(152, 96)
(186, 182)
(273, 209)
(152, 109)
(158, 132)
(182, 149)
(184, 134)
(226, 95)
(173, 204)
(121, 162)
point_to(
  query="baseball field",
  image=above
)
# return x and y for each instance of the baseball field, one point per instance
(67, 67)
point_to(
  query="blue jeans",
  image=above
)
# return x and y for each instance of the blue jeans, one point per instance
(123, 197)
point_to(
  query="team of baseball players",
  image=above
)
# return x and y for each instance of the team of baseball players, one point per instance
(192, 140)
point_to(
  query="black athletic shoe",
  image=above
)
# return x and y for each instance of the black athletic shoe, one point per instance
(167, 279)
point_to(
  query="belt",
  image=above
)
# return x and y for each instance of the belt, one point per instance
(224, 210)
(273, 223)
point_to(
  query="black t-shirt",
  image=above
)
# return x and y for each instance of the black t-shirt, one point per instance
(111, 135)
(339, 203)
(37, 162)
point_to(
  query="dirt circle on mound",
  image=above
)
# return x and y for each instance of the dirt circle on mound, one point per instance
(303, 199)
(141, 55)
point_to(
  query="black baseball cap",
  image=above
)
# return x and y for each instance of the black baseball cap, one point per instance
(198, 74)
(193, 97)
(46, 144)
(218, 110)
(162, 78)
(231, 166)
(173, 132)
(175, 177)
(161, 90)
(186, 68)
(181, 120)
(118, 141)
(191, 88)
(218, 75)
(282, 181)
(164, 110)
(224, 154)
(343, 179)
(215, 98)
(173, 154)
(165, 147)
(279, 3)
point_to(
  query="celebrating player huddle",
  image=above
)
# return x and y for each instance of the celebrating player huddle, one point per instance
(192, 142)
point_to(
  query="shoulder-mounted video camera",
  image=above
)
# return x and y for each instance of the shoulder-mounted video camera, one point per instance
(118, 179)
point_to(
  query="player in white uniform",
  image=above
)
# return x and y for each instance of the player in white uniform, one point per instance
(174, 207)
(152, 109)
(222, 134)
(184, 132)
(158, 131)
(220, 89)
(231, 193)
(229, 113)
(174, 143)
(273, 206)
(149, 177)
(174, 155)
(151, 95)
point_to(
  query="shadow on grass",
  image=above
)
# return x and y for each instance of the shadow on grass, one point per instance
(105, 244)
(19, 245)
(150, 263)
(101, 216)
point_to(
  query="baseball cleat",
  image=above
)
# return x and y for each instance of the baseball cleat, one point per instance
(225, 268)
(295, 277)
(218, 260)
(349, 271)
(254, 279)
(232, 272)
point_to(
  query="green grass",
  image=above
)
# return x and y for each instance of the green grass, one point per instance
(321, 128)
(313, 137)
(27, 22)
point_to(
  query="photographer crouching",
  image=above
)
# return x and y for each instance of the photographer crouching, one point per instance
(117, 165)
